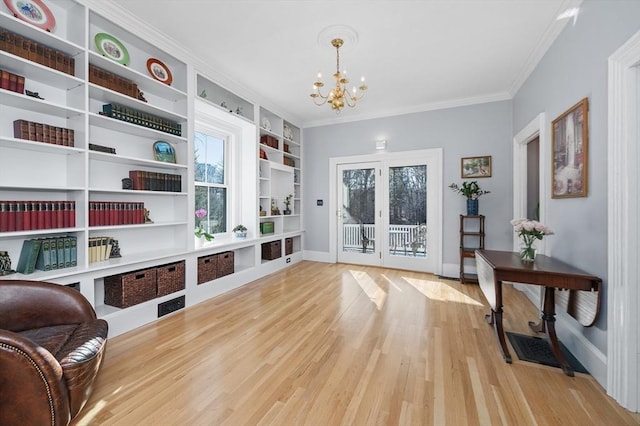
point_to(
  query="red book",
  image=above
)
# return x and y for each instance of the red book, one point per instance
(45, 208)
(103, 213)
(20, 86)
(72, 214)
(4, 216)
(19, 216)
(59, 211)
(13, 82)
(113, 213)
(35, 206)
(4, 79)
(27, 216)
(13, 206)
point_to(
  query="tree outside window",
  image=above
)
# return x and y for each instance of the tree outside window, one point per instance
(211, 186)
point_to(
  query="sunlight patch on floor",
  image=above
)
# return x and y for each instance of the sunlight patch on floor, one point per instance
(436, 290)
(375, 293)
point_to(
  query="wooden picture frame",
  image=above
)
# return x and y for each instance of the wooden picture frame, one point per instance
(569, 143)
(475, 167)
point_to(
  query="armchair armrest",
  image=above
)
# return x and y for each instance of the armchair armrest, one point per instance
(25, 305)
(32, 377)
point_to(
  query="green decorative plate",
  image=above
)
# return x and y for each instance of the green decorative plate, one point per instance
(112, 48)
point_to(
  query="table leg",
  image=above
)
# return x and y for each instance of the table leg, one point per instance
(549, 319)
(495, 319)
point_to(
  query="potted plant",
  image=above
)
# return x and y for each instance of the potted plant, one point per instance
(470, 190)
(241, 231)
(287, 204)
(200, 233)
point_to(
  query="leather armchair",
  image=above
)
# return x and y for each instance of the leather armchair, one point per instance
(51, 348)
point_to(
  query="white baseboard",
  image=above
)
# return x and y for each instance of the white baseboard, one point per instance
(316, 256)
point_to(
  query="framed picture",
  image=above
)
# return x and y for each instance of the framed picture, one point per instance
(475, 167)
(569, 141)
(163, 151)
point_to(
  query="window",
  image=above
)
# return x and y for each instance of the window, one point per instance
(211, 181)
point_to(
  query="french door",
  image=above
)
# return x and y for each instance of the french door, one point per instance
(387, 213)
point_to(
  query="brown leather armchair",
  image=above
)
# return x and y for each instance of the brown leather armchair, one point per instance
(51, 348)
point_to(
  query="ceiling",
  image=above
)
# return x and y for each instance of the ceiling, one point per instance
(416, 55)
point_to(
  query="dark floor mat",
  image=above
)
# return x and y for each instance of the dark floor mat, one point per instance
(538, 350)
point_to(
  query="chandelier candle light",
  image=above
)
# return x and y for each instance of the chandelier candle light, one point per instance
(529, 231)
(340, 95)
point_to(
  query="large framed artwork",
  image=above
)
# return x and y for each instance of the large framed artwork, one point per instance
(475, 167)
(569, 140)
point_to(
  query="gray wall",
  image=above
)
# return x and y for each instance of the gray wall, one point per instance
(462, 132)
(573, 68)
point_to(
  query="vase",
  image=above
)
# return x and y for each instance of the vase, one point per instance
(472, 207)
(241, 234)
(199, 242)
(527, 252)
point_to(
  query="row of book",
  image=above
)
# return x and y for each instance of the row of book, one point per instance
(46, 254)
(132, 115)
(36, 52)
(11, 81)
(108, 213)
(143, 180)
(32, 215)
(100, 248)
(40, 132)
(113, 81)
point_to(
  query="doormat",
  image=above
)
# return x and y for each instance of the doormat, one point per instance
(538, 350)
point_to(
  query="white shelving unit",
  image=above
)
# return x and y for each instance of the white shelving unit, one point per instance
(32, 170)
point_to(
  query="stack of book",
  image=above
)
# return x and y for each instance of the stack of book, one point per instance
(109, 213)
(100, 248)
(39, 132)
(134, 116)
(18, 216)
(47, 254)
(113, 81)
(155, 181)
(36, 52)
(11, 81)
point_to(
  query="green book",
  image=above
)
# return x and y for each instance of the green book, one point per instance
(67, 252)
(28, 256)
(60, 248)
(53, 253)
(44, 257)
(74, 251)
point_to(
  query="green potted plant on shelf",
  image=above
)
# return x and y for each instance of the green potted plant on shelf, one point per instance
(200, 233)
(470, 190)
(241, 231)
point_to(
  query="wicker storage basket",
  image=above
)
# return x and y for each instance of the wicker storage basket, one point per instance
(129, 289)
(272, 250)
(170, 278)
(225, 264)
(207, 266)
(288, 246)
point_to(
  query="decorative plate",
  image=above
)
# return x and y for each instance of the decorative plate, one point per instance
(159, 71)
(163, 151)
(266, 124)
(34, 12)
(112, 48)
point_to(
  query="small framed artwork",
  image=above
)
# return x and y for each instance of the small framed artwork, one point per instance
(475, 167)
(569, 141)
(163, 151)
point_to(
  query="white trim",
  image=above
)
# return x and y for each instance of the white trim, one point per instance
(436, 216)
(317, 256)
(623, 297)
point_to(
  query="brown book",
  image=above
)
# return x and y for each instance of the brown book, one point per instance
(20, 87)
(65, 137)
(71, 137)
(71, 68)
(59, 61)
(32, 130)
(21, 129)
(39, 132)
(4, 79)
(46, 133)
(58, 136)
(13, 82)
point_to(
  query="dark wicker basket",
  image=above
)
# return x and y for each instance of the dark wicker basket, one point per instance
(288, 246)
(207, 267)
(225, 264)
(170, 278)
(272, 250)
(125, 290)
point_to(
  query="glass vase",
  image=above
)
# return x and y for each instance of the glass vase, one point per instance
(527, 252)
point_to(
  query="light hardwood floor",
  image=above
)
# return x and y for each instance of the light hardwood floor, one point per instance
(326, 344)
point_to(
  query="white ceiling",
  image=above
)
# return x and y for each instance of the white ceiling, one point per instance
(416, 55)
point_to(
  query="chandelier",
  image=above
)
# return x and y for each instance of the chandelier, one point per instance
(340, 95)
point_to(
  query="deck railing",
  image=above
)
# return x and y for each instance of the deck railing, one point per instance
(408, 239)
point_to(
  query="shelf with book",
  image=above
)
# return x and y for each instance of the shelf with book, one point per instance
(96, 120)
(33, 71)
(26, 145)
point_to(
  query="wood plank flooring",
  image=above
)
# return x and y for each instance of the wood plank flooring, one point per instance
(335, 344)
